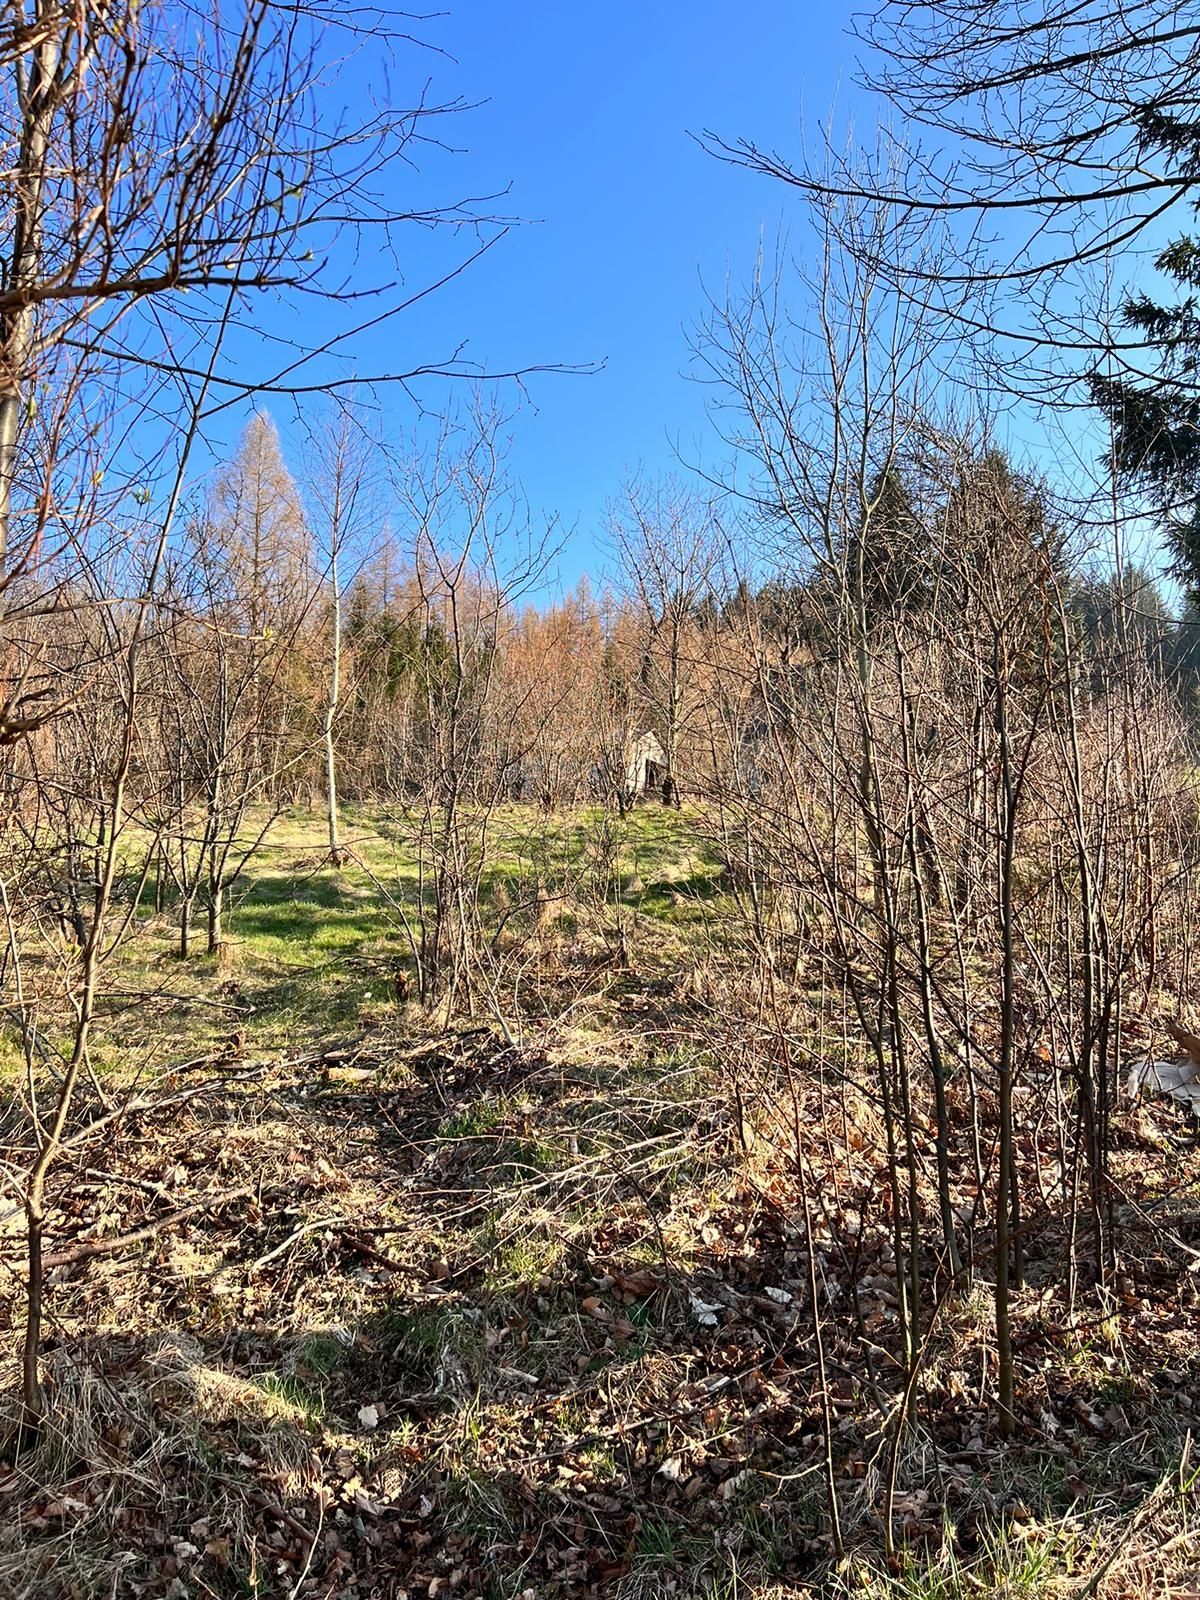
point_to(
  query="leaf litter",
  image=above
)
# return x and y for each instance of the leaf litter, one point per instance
(497, 1320)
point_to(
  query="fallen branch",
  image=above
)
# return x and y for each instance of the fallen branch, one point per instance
(351, 1237)
(107, 1247)
(336, 1223)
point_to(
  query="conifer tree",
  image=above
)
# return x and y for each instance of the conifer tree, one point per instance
(259, 526)
(888, 558)
(1155, 419)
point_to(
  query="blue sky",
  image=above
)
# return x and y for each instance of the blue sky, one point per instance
(583, 121)
(588, 118)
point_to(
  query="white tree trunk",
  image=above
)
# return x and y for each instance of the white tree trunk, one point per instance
(331, 705)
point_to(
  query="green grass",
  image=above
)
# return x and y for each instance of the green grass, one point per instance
(312, 951)
(440, 1345)
(295, 1396)
(1016, 1564)
(522, 1262)
(478, 1120)
(320, 1354)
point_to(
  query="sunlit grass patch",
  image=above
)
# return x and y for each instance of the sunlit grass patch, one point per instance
(522, 1261)
(1018, 1562)
(443, 1346)
(476, 1120)
(294, 1399)
(310, 948)
(183, 1375)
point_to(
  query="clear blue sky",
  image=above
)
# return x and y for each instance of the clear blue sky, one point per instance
(589, 114)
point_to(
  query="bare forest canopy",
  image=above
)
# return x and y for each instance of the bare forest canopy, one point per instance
(687, 1086)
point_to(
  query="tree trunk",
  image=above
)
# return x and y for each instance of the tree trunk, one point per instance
(38, 95)
(215, 908)
(331, 708)
(1005, 1171)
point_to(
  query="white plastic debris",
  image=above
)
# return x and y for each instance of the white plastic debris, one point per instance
(705, 1314)
(1178, 1080)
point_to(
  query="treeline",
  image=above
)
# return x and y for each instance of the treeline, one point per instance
(328, 643)
(381, 655)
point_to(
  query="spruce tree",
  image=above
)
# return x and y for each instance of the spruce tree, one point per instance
(889, 553)
(1155, 418)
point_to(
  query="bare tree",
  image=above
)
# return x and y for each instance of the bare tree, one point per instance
(1063, 143)
(666, 551)
(475, 557)
(161, 173)
(340, 487)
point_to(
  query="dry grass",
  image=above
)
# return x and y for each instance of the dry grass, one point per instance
(547, 1403)
(503, 1318)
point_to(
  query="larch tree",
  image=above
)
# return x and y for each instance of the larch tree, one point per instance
(256, 601)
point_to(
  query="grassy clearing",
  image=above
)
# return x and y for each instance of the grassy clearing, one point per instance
(493, 1320)
(312, 951)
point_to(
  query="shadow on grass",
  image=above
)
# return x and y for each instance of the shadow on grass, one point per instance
(554, 1435)
(456, 1333)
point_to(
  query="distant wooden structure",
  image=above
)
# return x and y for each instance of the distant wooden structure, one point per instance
(645, 766)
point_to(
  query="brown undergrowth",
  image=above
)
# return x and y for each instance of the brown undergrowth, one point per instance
(457, 1317)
